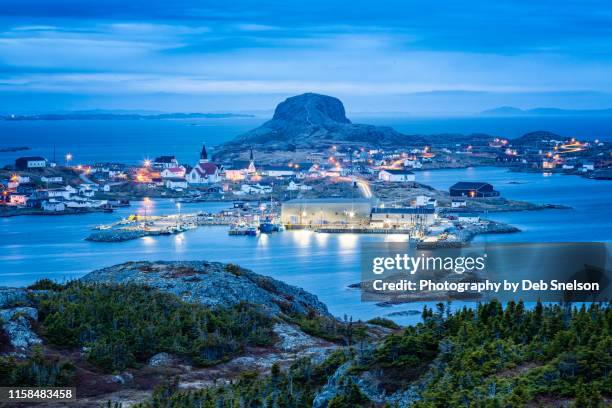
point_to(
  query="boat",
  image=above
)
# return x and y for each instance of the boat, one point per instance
(267, 227)
(103, 227)
(243, 229)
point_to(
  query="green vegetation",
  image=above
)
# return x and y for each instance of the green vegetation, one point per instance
(294, 387)
(122, 326)
(489, 356)
(36, 371)
(46, 284)
(382, 322)
(492, 357)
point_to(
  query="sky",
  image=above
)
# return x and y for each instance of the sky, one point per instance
(418, 57)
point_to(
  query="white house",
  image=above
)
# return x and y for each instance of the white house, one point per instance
(59, 193)
(413, 163)
(52, 179)
(173, 172)
(278, 171)
(588, 166)
(255, 189)
(567, 167)
(53, 206)
(293, 186)
(204, 172)
(458, 203)
(468, 217)
(396, 176)
(23, 179)
(425, 201)
(175, 183)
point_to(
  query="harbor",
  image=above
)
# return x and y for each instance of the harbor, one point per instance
(322, 263)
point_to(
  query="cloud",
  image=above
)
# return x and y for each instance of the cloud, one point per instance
(414, 46)
(255, 27)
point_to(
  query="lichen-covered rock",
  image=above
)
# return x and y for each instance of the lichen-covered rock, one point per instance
(332, 387)
(161, 360)
(213, 284)
(16, 325)
(9, 296)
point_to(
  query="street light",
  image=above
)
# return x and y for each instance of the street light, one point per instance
(147, 163)
(68, 158)
(147, 202)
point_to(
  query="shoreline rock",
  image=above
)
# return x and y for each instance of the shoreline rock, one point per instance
(213, 284)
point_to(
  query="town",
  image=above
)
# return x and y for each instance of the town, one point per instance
(339, 189)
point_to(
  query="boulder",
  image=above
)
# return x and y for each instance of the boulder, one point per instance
(161, 360)
(9, 296)
(18, 328)
(213, 284)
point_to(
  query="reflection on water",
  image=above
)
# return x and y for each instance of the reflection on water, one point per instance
(325, 264)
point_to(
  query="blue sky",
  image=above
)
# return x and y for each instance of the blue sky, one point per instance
(419, 57)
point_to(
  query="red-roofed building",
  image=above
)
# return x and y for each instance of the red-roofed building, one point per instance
(173, 172)
(204, 172)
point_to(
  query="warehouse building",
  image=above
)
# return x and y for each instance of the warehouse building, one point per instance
(326, 211)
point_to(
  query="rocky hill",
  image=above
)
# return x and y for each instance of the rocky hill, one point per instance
(313, 121)
(213, 284)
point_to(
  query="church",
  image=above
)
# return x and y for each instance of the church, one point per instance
(204, 172)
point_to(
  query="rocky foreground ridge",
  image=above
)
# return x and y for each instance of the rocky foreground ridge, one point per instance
(213, 284)
(312, 120)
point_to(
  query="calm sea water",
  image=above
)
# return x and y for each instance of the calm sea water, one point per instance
(325, 264)
(131, 141)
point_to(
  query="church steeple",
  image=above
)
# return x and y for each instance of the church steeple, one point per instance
(203, 154)
(251, 169)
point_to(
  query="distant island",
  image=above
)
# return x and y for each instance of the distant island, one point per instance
(313, 121)
(101, 115)
(11, 149)
(513, 111)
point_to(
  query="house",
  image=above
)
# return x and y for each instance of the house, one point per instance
(412, 164)
(255, 189)
(17, 199)
(425, 201)
(472, 189)
(293, 186)
(53, 206)
(31, 162)
(52, 179)
(588, 166)
(59, 193)
(458, 203)
(175, 183)
(204, 172)
(467, 217)
(173, 172)
(404, 217)
(165, 162)
(396, 175)
(277, 171)
(567, 167)
(234, 174)
(23, 179)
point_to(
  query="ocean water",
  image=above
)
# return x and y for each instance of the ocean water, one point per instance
(123, 141)
(325, 264)
(131, 141)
